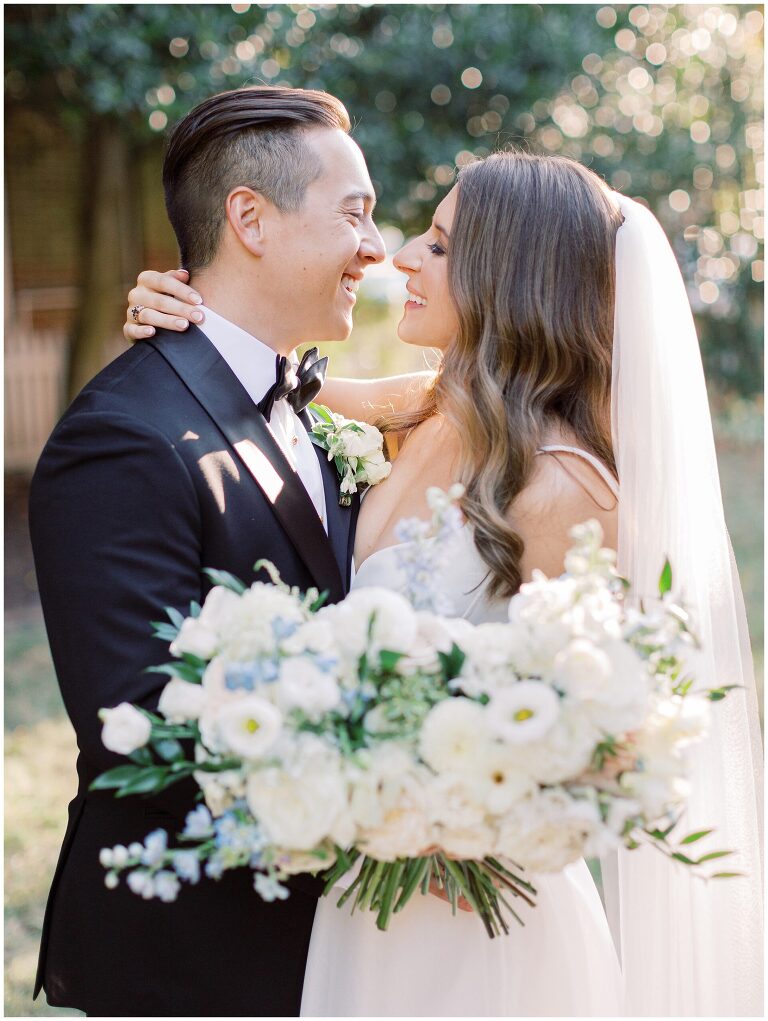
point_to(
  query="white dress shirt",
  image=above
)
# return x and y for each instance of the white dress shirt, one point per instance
(254, 365)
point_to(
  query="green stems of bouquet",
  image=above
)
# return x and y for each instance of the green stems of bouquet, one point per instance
(386, 887)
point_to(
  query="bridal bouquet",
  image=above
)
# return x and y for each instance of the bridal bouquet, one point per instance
(403, 746)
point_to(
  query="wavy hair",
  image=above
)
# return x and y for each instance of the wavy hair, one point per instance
(532, 276)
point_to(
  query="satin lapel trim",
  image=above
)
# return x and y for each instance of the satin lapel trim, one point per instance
(212, 383)
(340, 518)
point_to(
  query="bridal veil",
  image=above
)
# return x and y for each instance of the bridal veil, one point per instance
(688, 947)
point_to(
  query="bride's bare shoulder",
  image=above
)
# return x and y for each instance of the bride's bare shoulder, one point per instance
(564, 490)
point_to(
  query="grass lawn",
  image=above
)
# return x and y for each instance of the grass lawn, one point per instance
(40, 745)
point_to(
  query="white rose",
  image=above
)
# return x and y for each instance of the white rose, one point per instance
(453, 734)
(472, 842)
(377, 469)
(523, 712)
(294, 862)
(219, 604)
(547, 831)
(248, 727)
(299, 806)
(455, 802)
(404, 830)
(361, 441)
(581, 669)
(302, 685)
(196, 639)
(181, 701)
(394, 622)
(125, 728)
(494, 652)
(259, 620)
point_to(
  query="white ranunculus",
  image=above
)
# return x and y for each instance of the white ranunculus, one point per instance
(181, 701)
(453, 734)
(523, 712)
(548, 831)
(302, 685)
(299, 805)
(124, 729)
(564, 752)
(248, 727)
(195, 639)
(219, 604)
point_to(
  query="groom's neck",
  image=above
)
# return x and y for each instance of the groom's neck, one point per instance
(240, 302)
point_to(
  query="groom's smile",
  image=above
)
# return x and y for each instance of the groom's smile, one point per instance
(327, 245)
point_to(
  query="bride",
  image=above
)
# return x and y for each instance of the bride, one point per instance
(569, 361)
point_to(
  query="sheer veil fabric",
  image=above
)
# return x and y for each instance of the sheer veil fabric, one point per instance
(688, 947)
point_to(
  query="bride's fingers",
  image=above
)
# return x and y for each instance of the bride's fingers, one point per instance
(149, 299)
(172, 282)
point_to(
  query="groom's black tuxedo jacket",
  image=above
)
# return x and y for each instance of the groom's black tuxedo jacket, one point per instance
(161, 468)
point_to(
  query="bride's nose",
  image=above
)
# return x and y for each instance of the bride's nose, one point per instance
(406, 260)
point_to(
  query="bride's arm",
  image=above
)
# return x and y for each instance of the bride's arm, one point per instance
(166, 301)
(368, 399)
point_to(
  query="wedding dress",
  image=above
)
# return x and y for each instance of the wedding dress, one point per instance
(430, 963)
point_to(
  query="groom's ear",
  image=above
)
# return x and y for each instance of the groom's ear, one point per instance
(246, 212)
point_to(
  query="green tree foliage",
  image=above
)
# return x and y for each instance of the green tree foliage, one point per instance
(664, 101)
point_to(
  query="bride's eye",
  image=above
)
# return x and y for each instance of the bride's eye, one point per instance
(436, 249)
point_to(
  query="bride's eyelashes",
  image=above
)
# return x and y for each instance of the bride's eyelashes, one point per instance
(436, 249)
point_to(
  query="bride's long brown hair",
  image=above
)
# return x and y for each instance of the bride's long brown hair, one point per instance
(531, 274)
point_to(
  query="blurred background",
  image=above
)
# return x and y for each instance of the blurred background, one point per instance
(664, 101)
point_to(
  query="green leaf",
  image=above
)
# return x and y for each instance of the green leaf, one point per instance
(169, 749)
(712, 855)
(165, 632)
(226, 580)
(718, 694)
(681, 857)
(452, 661)
(322, 411)
(176, 618)
(693, 837)
(388, 660)
(142, 756)
(114, 778)
(665, 580)
(195, 609)
(145, 781)
(726, 875)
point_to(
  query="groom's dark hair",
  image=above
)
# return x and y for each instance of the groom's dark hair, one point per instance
(253, 136)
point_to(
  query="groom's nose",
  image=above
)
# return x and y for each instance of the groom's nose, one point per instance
(372, 247)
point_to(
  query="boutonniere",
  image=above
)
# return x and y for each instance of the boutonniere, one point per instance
(356, 448)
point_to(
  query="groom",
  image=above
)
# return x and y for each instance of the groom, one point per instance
(191, 451)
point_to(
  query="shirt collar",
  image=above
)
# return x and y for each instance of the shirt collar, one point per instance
(250, 359)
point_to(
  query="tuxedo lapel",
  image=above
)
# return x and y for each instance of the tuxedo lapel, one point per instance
(341, 520)
(210, 380)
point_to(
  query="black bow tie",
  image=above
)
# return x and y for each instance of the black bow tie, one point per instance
(298, 388)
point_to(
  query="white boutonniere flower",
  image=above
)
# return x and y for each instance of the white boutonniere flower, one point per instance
(356, 448)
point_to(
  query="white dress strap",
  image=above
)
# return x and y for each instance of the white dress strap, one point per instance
(599, 467)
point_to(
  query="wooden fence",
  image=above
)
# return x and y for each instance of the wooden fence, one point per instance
(35, 374)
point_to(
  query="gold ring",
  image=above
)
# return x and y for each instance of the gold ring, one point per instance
(136, 311)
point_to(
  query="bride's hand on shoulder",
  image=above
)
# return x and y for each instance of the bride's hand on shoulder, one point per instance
(161, 300)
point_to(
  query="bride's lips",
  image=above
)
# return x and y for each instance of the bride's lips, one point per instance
(410, 303)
